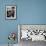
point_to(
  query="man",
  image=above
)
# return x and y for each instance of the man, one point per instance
(9, 13)
(13, 11)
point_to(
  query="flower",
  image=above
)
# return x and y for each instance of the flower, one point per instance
(12, 36)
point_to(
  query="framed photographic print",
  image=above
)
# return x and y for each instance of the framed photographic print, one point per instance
(10, 12)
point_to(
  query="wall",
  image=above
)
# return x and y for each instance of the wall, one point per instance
(33, 12)
(28, 12)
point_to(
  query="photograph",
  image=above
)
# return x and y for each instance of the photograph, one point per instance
(11, 12)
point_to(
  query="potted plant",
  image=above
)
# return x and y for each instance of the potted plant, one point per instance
(11, 37)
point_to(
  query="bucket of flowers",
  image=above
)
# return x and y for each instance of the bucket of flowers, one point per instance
(11, 37)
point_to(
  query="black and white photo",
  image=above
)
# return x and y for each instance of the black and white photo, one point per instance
(11, 12)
